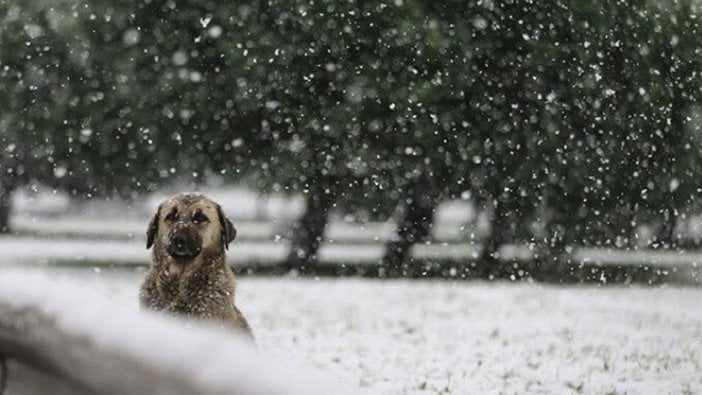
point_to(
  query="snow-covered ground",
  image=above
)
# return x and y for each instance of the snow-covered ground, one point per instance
(439, 337)
(403, 337)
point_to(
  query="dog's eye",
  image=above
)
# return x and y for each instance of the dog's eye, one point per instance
(171, 216)
(200, 217)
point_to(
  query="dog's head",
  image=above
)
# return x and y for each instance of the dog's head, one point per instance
(188, 224)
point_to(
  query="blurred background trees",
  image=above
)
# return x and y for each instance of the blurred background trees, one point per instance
(566, 124)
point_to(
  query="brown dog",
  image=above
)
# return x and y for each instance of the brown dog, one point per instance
(189, 274)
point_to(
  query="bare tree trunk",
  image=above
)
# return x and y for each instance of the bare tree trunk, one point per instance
(308, 231)
(665, 237)
(414, 226)
(490, 256)
(7, 187)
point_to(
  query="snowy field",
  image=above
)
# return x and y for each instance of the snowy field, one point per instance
(439, 337)
(402, 337)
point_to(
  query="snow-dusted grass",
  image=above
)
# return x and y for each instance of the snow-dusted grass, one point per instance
(459, 338)
(433, 337)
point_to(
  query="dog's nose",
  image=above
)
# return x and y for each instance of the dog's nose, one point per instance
(179, 240)
(180, 246)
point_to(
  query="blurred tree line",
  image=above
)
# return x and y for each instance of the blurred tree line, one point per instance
(570, 123)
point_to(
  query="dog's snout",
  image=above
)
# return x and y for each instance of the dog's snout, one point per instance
(181, 245)
(179, 239)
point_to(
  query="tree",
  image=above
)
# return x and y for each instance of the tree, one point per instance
(71, 118)
(322, 62)
(616, 161)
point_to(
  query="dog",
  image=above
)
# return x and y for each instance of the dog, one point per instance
(189, 274)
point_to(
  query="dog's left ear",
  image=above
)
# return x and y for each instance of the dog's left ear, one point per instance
(228, 229)
(152, 229)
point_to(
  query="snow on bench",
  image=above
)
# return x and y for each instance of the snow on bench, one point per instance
(62, 337)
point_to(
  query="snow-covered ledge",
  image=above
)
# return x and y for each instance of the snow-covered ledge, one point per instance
(63, 337)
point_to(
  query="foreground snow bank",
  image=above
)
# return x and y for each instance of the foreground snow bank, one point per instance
(53, 320)
(438, 337)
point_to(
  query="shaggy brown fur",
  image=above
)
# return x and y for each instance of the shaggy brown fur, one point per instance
(189, 274)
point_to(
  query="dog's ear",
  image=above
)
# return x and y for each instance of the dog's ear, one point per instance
(152, 229)
(228, 229)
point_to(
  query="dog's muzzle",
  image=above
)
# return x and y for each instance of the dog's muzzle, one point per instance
(180, 246)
